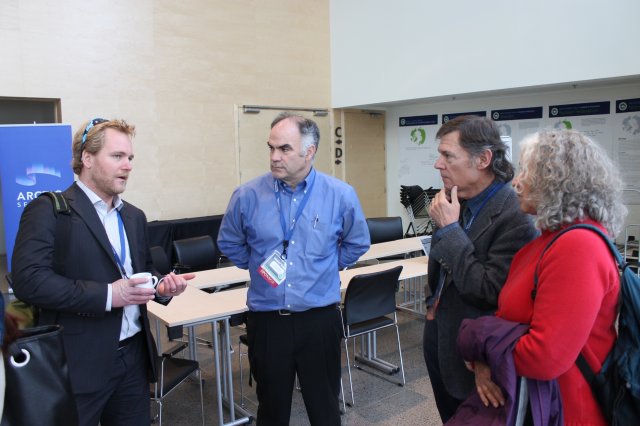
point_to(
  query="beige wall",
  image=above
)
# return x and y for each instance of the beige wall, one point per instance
(176, 70)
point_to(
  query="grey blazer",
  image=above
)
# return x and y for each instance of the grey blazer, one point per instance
(477, 265)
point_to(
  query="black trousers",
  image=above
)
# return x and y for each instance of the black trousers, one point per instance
(446, 403)
(125, 400)
(304, 343)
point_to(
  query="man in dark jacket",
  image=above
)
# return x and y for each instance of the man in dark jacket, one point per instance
(479, 228)
(75, 267)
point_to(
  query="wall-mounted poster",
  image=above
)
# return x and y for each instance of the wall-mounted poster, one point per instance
(517, 123)
(627, 146)
(418, 150)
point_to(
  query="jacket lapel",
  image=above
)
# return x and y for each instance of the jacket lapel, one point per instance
(81, 204)
(490, 210)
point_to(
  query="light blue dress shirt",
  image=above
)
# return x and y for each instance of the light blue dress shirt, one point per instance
(330, 234)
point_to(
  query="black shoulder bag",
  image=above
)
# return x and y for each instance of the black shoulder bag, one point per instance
(38, 389)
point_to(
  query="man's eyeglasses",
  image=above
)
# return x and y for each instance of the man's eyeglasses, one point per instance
(92, 123)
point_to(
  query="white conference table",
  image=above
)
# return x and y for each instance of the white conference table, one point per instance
(392, 248)
(195, 307)
(219, 277)
(412, 268)
(232, 274)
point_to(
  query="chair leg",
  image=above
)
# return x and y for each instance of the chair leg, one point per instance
(346, 348)
(344, 404)
(400, 351)
(241, 375)
(156, 417)
(201, 396)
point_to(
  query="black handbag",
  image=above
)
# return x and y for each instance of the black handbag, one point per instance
(38, 389)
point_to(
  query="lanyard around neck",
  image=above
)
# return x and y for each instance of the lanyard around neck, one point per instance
(123, 248)
(288, 231)
(491, 193)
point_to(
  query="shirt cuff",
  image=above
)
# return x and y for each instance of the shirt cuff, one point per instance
(430, 301)
(440, 233)
(158, 298)
(109, 296)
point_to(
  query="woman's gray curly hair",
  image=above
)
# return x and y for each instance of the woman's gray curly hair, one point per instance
(571, 178)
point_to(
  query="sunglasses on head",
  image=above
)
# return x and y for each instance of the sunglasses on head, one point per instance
(92, 123)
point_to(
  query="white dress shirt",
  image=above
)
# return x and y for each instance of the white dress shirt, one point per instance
(109, 217)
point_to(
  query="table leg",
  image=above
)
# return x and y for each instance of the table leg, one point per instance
(222, 358)
(370, 358)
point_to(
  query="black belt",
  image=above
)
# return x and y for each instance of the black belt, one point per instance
(126, 341)
(287, 312)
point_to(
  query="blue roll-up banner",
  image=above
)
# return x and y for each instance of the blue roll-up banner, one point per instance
(33, 159)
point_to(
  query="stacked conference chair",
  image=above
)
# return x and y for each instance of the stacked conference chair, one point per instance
(417, 202)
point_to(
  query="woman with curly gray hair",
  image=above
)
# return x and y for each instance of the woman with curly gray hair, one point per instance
(564, 178)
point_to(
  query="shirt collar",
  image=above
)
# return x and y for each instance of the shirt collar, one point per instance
(96, 200)
(305, 182)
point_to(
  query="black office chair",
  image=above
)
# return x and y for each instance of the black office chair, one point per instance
(172, 372)
(370, 305)
(196, 254)
(160, 260)
(383, 229)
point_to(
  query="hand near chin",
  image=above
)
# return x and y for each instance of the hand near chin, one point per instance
(445, 208)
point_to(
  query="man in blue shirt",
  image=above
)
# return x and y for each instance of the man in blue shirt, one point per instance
(294, 229)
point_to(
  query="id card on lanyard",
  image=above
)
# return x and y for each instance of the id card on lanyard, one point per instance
(274, 268)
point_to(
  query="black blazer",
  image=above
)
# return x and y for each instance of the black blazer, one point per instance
(74, 293)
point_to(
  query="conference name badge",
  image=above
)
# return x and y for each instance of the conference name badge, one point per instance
(274, 269)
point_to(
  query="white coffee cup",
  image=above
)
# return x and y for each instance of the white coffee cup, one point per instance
(152, 281)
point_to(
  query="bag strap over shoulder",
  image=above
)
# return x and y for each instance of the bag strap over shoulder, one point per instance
(612, 248)
(581, 362)
(59, 202)
(62, 211)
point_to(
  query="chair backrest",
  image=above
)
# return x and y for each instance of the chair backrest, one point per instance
(160, 260)
(382, 229)
(196, 253)
(370, 296)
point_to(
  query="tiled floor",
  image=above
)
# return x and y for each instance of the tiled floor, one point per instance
(378, 402)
